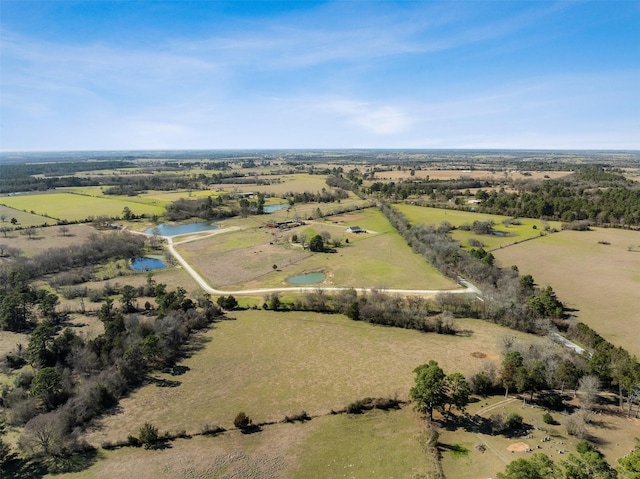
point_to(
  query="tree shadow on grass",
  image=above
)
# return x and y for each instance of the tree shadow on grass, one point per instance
(17, 468)
(251, 429)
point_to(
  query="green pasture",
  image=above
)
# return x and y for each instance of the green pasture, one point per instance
(380, 259)
(24, 219)
(74, 207)
(280, 184)
(527, 229)
(271, 364)
(150, 197)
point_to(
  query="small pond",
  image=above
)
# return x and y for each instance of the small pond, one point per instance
(165, 229)
(499, 233)
(274, 208)
(309, 278)
(147, 264)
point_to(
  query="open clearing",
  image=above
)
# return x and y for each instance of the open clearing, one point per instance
(329, 446)
(270, 364)
(381, 259)
(72, 207)
(612, 434)
(601, 281)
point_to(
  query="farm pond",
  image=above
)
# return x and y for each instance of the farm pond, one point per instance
(147, 264)
(165, 229)
(309, 278)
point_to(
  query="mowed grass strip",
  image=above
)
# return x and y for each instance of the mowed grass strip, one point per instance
(601, 281)
(270, 365)
(72, 207)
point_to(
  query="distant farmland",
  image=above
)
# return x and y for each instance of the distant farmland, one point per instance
(596, 272)
(72, 207)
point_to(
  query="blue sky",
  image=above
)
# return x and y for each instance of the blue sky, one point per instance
(349, 74)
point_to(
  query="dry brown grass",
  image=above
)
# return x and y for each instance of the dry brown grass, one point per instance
(274, 364)
(49, 237)
(600, 281)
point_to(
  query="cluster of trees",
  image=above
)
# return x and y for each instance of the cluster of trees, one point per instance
(322, 196)
(589, 463)
(18, 297)
(432, 188)
(73, 380)
(614, 367)
(434, 390)
(592, 193)
(376, 307)
(205, 208)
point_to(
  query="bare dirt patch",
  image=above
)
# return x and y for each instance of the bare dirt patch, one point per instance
(518, 447)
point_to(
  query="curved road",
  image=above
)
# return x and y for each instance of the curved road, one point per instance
(468, 287)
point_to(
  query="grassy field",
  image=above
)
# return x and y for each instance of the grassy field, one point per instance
(275, 364)
(527, 229)
(150, 197)
(280, 184)
(49, 237)
(381, 259)
(72, 207)
(601, 281)
(328, 446)
(23, 218)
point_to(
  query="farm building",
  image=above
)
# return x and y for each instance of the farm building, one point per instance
(355, 229)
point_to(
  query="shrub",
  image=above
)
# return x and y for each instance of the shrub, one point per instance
(548, 418)
(211, 429)
(514, 421)
(302, 417)
(148, 435)
(576, 425)
(242, 421)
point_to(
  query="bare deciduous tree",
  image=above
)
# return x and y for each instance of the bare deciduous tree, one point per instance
(589, 388)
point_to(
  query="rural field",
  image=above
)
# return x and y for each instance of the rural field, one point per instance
(327, 446)
(479, 174)
(23, 218)
(505, 234)
(380, 258)
(595, 272)
(273, 364)
(72, 207)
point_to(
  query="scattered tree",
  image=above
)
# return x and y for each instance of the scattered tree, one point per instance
(429, 392)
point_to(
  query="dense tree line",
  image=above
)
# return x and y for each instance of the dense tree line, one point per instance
(507, 299)
(323, 196)
(592, 193)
